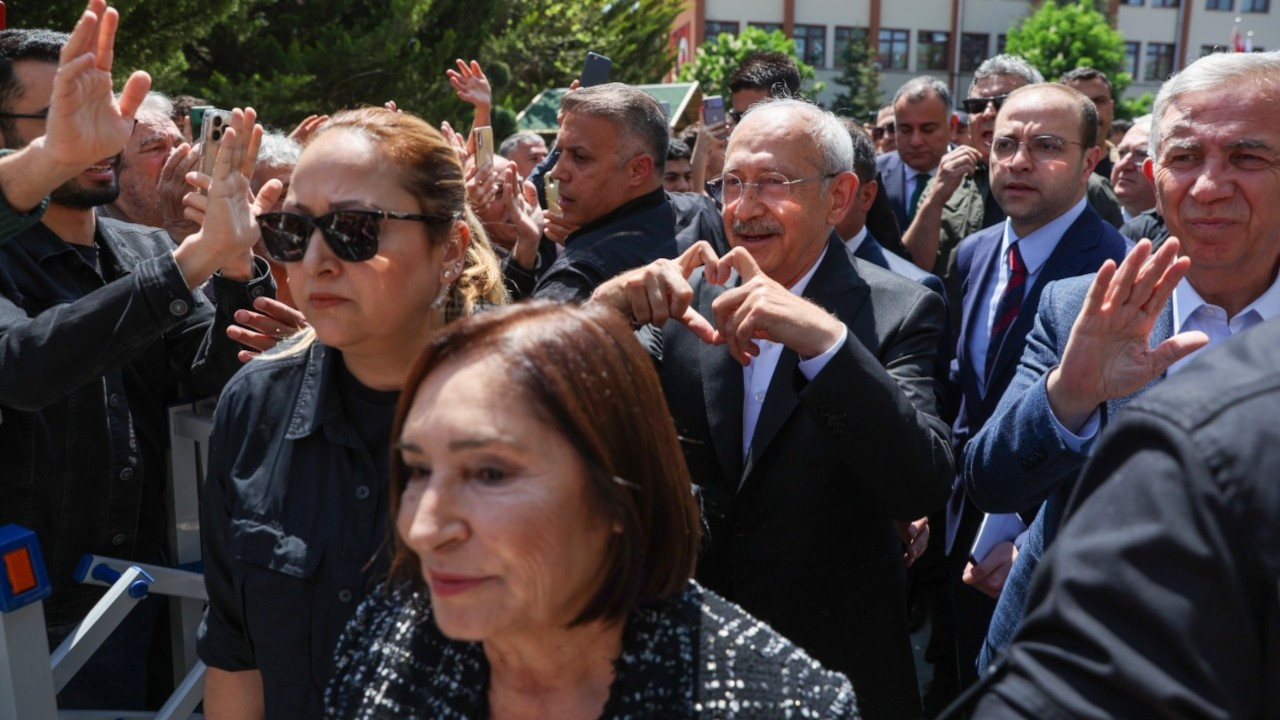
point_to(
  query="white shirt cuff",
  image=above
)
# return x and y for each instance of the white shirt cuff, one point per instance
(814, 365)
(1076, 442)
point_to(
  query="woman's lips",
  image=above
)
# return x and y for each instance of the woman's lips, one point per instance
(449, 584)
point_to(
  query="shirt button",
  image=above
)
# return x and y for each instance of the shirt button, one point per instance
(119, 539)
(759, 397)
(179, 307)
(362, 492)
(344, 595)
(126, 474)
(114, 400)
(257, 291)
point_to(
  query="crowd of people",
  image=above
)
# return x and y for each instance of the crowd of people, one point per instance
(646, 423)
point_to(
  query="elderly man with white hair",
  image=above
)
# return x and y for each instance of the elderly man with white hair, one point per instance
(1100, 340)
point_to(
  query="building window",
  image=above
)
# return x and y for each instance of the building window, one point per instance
(1002, 40)
(973, 50)
(932, 49)
(1131, 2)
(767, 27)
(844, 36)
(715, 28)
(893, 50)
(1255, 6)
(1131, 52)
(1164, 3)
(811, 44)
(1159, 61)
(1211, 49)
(1219, 4)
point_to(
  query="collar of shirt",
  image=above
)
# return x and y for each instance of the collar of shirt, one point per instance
(1191, 312)
(648, 200)
(1039, 244)
(852, 243)
(319, 403)
(911, 174)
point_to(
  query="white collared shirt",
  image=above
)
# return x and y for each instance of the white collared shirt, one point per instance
(758, 373)
(1036, 248)
(855, 242)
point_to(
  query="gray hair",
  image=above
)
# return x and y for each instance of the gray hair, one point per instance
(918, 88)
(156, 103)
(1214, 72)
(1006, 64)
(639, 119)
(513, 142)
(829, 136)
(278, 150)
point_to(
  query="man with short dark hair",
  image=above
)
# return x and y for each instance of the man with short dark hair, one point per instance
(884, 134)
(1097, 87)
(922, 120)
(677, 176)
(612, 144)
(98, 327)
(762, 75)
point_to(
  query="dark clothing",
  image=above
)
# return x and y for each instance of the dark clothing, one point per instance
(88, 362)
(691, 656)
(294, 523)
(635, 234)
(698, 217)
(800, 531)
(1159, 597)
(1150, 225)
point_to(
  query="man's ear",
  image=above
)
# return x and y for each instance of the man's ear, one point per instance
(867, 194)
(1149, 169)
(844, 192)
(641, 169)
(1092, 156)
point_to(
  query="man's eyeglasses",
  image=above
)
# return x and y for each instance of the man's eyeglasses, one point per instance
(770, 187)
(977, 106)
(878, 133)
(38, 115)
(351, 234)
(1043, 148)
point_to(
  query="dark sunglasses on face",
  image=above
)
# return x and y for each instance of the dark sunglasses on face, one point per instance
(977, 106)
(879, 132)
(734, 115)
(351, 234)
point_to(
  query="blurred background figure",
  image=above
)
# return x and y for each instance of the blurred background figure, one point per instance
(526, 149)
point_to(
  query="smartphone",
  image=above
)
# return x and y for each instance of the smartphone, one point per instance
(196, 114)
(712, 110)
(212, 127)
(552, 188)
(484, 146)
(595, 71)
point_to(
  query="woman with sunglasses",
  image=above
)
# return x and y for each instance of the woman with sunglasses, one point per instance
(380, 251)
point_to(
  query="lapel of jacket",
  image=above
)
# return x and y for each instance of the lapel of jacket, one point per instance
(982, 273)
(721, 389)
(1075, 254)
(836, 287)
(1161, 331)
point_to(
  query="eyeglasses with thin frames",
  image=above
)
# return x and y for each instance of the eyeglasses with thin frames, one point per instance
(1042, 148)
(770, 187)
(351, 234)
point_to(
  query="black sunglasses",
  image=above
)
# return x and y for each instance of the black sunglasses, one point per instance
(734, 115)
(38, 115)
(977, 106)
(351, 234)
(878, 133)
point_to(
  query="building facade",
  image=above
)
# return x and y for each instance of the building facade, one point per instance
(950, 38)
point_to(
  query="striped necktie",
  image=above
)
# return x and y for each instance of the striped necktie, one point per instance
(1007, 309)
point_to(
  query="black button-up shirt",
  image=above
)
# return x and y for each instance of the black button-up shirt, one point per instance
(294, 510)
(88, 360)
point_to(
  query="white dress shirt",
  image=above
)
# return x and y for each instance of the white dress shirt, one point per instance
(758, 373)
(855, 242)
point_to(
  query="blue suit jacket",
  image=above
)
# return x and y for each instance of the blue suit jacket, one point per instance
(893, 183)
(1086, 244)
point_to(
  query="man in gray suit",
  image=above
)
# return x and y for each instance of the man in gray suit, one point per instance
(1099, 340)
(802, 385)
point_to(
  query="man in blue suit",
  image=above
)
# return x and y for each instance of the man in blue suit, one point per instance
(1099, 341)
(922, 121)
(1042, 154)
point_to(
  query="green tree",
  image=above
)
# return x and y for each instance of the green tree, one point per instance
(152, 33)
(861, 75)
(1058, 38)
(542, 44)
(1130, 108)
(291, 59)
(718, 57)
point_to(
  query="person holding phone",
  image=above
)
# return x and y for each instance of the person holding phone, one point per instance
(380, 250)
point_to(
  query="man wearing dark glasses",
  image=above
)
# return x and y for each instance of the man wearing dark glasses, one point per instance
(98, 328)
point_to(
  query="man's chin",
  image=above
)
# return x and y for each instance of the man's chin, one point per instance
(74, 195)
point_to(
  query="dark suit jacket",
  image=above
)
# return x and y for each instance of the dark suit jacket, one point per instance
(893, 184)
(800, 533)
(1082, 250)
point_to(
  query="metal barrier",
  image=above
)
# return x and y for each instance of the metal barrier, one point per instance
(30, 676)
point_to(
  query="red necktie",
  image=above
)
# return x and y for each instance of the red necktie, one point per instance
(1007, 309)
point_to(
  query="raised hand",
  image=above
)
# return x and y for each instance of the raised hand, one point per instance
(173, 187)
(86, 123)
(1107, 354)
(659, 291)
(521, 200)
(471, 84)
(762, 309)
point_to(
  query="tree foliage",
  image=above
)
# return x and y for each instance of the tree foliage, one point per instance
(542, 44)
(718, 57)
(861, 75)
(1058, 38)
